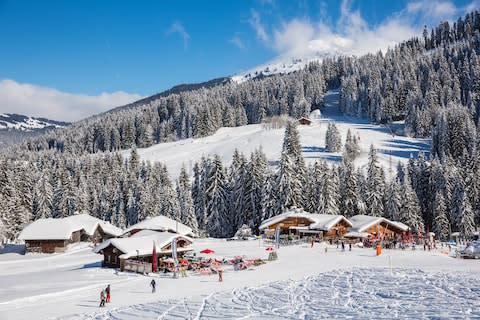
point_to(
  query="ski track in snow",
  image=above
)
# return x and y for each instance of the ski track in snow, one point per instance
(363, 293)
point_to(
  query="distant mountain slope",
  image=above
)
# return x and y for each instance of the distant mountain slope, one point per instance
(26, 123)
(174, 90)
(281, 65)
(15, 128)
(392, 148)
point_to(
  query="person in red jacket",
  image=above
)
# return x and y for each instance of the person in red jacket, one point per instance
(107, 290)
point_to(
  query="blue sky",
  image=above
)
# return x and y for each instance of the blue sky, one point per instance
(83, 57)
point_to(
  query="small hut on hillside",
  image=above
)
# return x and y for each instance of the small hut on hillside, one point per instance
(54, 235)
(304, 121)
(124, 253)
(159, 224)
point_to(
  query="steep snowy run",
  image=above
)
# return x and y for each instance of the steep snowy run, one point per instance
(26, 123)
(392, 146)
(280, 65)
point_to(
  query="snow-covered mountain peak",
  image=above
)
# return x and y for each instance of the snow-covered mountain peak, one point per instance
(282, 65)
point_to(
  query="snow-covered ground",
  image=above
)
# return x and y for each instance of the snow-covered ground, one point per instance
(303, 283)
(392, 148)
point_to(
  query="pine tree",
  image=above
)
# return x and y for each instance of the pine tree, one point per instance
(393, 200)
(375, 185)
(352, 149)
(350, 195)
(466, 223)
(187, 211)
(333, 139)
(217, 201)
(43, 198)
(441, 225)
(330, 194)
(410, 213)
(199, 194)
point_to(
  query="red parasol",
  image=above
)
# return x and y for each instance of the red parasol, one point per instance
(207, 251)
(269, 249)
(184, 262)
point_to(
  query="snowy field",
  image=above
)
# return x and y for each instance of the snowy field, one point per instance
(391, 148)
(304, 283)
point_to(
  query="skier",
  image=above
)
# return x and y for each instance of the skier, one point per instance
(313, 241)
(183, 271)
(107, 290)
(102, 298)
(343, 246)
(153, 284)
(220, 274)
(350, 246)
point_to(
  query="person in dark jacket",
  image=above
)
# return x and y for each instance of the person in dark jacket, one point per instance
(107, 290)
(153, 284)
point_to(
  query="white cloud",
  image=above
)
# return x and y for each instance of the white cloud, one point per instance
(238, 42)
(32, 100)
(257, 25)
(178, 28)
(433, 9)
(293, 36)
(352, 35)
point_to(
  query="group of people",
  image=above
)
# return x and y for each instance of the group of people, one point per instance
(104, 296)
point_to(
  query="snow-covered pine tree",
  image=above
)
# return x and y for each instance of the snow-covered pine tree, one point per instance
(410, 213)
(393, 200)
(330, 193)
(333, 139)
(466, 223)
(255, 191)
(217, 201)
(199, 194)
(291, 175)
(350, 195)
(43, 194)
(441, 225)
(352, 149)
(237, 191)
(187, 211)
(375, 185)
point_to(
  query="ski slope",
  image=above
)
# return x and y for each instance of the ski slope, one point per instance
(391, 148)
(303, 283)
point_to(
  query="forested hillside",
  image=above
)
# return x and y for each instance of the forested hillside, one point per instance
(432, 83)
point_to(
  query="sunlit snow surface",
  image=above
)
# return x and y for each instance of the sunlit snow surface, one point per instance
(355, 294)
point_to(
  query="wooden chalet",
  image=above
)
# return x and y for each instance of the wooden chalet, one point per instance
(304, 121)
(54, 235)
(124, 253)
(377, 227)
(302, 223)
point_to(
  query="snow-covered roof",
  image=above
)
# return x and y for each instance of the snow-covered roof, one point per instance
(49, 229)
(327, 221)
(318, 221)
(62, 228)
(143, 242)
(161, 223)
(360, 223)
(110, 229)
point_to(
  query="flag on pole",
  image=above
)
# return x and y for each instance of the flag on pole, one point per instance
(174, 251)
(277, 237)
(154, 258)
